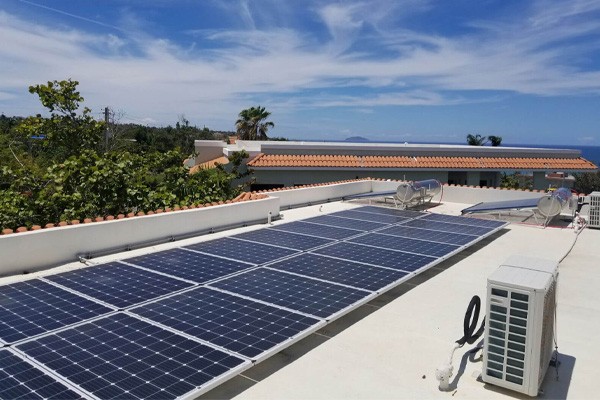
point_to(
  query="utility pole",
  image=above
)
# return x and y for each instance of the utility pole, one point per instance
(107, 131)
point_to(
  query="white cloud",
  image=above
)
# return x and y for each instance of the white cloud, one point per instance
(153, 77)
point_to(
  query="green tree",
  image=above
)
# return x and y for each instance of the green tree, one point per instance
(252, 124)
(495, 140)
(66, 132)
(476, 140)
(587, 182)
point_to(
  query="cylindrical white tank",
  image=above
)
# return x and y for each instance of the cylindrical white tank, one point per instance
(552, 204)
(411, 191)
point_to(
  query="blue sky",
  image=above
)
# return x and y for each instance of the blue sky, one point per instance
(416, 71)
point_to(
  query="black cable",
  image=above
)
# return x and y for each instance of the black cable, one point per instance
(470, 323)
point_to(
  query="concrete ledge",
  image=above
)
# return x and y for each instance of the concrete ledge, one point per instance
(40, 249)
(306, 195)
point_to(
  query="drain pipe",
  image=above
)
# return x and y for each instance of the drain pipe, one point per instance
(270, 218)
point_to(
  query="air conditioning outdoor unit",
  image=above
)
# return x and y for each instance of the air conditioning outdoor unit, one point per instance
(594, 216)
(519, 332)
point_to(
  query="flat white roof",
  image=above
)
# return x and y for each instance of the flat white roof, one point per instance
(390, 347)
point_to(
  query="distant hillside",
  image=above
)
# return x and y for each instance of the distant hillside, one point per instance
(356, 139)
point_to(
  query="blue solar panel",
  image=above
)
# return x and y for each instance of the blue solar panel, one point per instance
(390, 211)
(283, 239)
(294, 292)
(34, 307)
(361, 276)
(487, 223)
(376, 256)
(369, 216)
(190, 265)
(322, 231)
(123, 357)
(405, 244)
(118, 284)
(446, 227)
(426, 234)
(237, 324)
(348, 223)
(256, 253)
(21, 380)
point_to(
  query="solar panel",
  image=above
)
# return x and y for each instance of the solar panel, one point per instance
(369, 216)
(426, 234)
(405, 244)
(34, 307)
(21, 380)
(190, 265)
(340, 271)
(241, 250)
(375, 256)
(310, 296)
(323, 231)
(464, 220)
(237, 324)
(449, 227)
(120, 356)
(359, 225)
(118, 284)
(390, 211)
(283, 239)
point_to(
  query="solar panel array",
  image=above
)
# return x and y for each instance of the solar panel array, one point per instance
(179, 322)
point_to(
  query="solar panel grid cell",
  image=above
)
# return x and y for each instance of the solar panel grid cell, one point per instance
(283, 239)
(294, 292)
(123, 357)
(464, 220)
(21, 380)
(405, 244)
(190, 265)
(255, 253)
(322, 231)
(237, 324)
(361, 276)
(118, 284)
(427, 234)
(348, 223)
(34, 307)
(376, 256)
(449, 227)
(369, 216)
(390, 211)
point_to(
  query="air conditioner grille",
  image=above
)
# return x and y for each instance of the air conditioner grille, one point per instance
(507, 334)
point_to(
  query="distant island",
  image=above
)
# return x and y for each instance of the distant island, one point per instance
(356, 139)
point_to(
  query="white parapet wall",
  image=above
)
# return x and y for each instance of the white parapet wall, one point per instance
(37, 250)
(466, 194)
(316, 194)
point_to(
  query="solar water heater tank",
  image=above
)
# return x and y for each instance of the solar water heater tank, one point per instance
(552, 204)
(418, 190)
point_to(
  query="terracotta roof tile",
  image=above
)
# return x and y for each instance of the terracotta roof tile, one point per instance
(347, 161)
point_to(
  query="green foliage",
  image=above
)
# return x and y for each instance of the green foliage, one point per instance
(57, 168)
(476, 140)
(587, 182)
(252, 125)
(93, 184)
(510, 181)
(495, 140)
(65, 133)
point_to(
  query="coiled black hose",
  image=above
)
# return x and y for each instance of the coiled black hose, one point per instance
(470, 323)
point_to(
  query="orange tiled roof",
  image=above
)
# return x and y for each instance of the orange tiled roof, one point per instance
(209, 164)
(349, 161)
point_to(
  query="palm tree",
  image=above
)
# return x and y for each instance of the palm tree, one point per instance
(252, 125)
(476, 140)
(495, 140)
